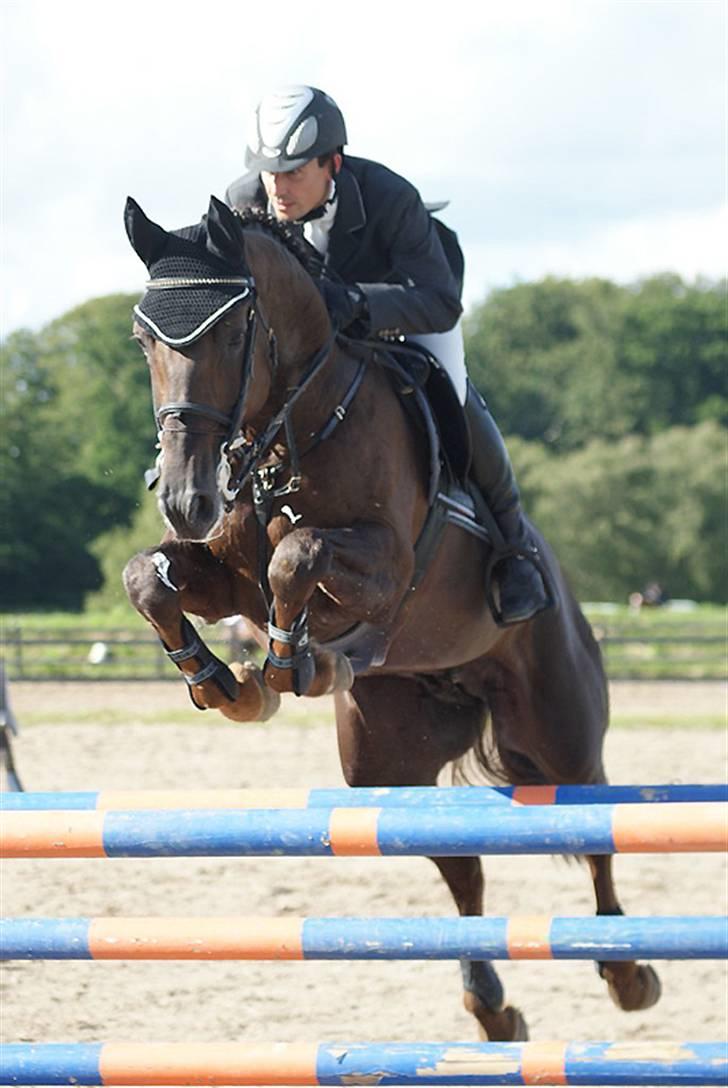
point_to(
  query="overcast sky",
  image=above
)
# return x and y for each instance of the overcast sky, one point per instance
(572, 137)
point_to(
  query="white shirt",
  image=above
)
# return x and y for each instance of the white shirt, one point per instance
(316, 232)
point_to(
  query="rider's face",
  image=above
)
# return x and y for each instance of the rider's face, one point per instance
(297, 192)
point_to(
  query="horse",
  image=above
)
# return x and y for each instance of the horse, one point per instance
(296, 489)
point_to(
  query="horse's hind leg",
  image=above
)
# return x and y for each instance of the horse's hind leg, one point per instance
(394, 731)
(163, 583)
(549, 728)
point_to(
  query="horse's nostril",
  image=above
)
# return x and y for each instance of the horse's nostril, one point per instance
(200, 508)
(191, 514)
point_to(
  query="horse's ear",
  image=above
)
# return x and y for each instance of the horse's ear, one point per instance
(225, 238)
(147, 238)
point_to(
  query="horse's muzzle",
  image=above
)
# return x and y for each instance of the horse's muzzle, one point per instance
(193, 514)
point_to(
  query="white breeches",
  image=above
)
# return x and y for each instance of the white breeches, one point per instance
(449, 349)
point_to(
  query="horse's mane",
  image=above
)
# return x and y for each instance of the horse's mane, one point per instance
(284, 233)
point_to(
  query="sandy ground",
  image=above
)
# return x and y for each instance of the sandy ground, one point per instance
(356, 1001)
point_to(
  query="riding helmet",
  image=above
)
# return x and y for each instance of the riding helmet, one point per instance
(290, 127)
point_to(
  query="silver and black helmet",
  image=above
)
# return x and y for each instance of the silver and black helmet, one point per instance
(291, 126)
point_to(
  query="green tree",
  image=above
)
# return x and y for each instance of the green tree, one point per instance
(673, 345)
(115, 548)
(563, 362)
(103, 404)
(48, 509)
(621, 514)
(77, 434)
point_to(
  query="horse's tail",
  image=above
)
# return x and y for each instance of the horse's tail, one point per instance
(487, 760)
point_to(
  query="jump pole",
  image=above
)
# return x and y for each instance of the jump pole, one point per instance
(454, 831)
(222, 938)
(455, 1064)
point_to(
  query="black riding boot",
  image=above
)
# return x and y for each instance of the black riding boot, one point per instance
(521, 588)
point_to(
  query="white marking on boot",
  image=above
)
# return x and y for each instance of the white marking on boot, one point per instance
(293, 518)
(162, 566)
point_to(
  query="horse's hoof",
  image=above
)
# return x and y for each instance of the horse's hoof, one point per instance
(506, 1026)
(256, 702)
(641, 990)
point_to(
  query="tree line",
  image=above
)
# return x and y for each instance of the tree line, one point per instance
(613, 400)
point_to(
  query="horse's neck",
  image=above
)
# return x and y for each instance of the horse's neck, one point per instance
(290, 303)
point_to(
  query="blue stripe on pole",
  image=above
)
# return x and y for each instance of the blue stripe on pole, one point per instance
(669, 1063)
(623, 937)
(501, 1064)
(13, 802)
(406, 796)
(467, 832)
(44, 939)
(404, 938)
(50, 1063)
(217, 833)
(416, 1063)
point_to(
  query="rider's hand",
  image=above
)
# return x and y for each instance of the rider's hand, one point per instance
(346, 303)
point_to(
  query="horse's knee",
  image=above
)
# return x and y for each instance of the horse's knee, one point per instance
(300, 560)
(148, 580)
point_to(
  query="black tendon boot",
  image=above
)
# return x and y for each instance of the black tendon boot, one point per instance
(521, 590)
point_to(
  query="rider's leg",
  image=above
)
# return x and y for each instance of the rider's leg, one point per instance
(521, 589)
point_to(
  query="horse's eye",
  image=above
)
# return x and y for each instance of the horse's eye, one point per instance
(141, 345)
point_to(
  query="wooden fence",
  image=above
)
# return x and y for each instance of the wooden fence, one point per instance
(84, 654)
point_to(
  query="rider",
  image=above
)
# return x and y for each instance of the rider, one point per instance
(375, 233)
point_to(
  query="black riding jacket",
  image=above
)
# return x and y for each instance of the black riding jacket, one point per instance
(383, 239)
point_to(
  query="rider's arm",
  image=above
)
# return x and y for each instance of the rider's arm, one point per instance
(420, 293)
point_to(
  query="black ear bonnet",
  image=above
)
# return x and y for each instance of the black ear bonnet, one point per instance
(196, 273)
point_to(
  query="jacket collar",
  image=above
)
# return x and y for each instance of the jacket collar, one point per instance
(351, 216)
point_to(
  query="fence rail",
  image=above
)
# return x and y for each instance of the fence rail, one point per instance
(130, 655)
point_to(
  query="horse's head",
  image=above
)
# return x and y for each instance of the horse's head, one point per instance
(195, 324)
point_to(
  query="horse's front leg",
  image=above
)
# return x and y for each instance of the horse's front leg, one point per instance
(362, 571)
(165, 582)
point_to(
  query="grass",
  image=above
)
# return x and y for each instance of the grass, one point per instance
(667, 721)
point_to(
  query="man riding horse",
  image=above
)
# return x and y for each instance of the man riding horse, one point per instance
(372, 230)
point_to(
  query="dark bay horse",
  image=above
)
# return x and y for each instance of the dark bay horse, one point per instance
(294, 488)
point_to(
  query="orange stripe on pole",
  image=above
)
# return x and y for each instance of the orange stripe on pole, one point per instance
(208, 1063)
(196, 938)
(529, 937)
(671, 827)
(534, 795)
(353, 832)
(201, 799)
(544, 1063)
(52, 834)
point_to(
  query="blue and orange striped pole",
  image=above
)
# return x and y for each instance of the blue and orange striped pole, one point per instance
(349, 1064)
(455, 831)
(364, 797)
(225, 938)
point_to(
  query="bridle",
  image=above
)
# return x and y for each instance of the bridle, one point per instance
(231, 421)
(243, 457)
